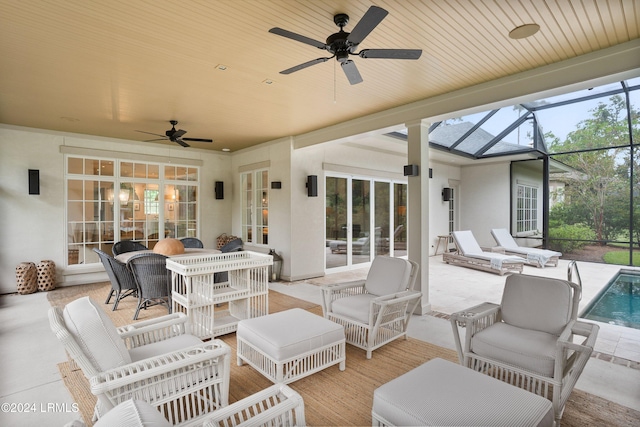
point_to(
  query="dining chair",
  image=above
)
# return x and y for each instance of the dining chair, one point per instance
(153, 280)
(127, 246)
(123, 284)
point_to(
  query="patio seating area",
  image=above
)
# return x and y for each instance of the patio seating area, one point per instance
(451, 289)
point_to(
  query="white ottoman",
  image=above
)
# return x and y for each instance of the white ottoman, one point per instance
(441, 393)
(290, 345)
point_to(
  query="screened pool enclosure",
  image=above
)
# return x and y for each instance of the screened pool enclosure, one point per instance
(585, 146)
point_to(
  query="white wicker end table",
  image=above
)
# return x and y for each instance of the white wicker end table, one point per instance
(290, 345)
(442, 393)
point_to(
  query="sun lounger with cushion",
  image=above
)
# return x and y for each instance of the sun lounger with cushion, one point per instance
(533, 256)
(470, 254)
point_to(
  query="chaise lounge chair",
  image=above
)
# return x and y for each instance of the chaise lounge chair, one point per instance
(470, 254)
(533, 256)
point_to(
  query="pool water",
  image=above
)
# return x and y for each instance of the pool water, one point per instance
(619, 302)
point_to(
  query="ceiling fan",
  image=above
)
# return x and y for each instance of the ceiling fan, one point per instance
(174, 135)
(343, 44)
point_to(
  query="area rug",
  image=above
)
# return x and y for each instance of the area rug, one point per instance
(331, 397)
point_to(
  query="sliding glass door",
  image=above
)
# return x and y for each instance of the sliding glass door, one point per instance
(364, 219)
(336, 222)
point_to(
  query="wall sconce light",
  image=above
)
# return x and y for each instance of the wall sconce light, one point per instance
(447, 194)
(411, 170)
(34, 181)
(312, 186)
(276, 185)
(219, 190)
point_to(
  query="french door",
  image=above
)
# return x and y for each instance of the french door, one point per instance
(364, 218)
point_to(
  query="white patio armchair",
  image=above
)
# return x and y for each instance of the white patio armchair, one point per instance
(531, 340)
(377, 310)
(278, 405)
(156, 361)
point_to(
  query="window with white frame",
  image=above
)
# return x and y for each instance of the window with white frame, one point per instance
(109, 200)
(255, 206)
(527, 208)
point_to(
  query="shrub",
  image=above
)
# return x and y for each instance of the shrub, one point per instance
(573, 233)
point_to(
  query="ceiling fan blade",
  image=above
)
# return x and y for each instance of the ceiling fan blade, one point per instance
(305, 65)
(369, 21)
(177, 134)
(297, 37)
(156, 134)
(181, 142)
(197, 139)
(391, 53)
(352, 72)
(153, 140)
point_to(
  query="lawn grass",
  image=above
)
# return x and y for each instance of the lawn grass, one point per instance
(622, 258)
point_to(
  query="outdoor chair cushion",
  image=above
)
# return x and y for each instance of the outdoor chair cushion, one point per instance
(537, 303)
(170, 345)
(467, 243)
(96, 334)
(133, 413)
(289, 333)
(388, 276)
(442, 393)
(533, 351)
(355, 307)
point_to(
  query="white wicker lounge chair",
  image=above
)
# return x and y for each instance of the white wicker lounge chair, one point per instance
(278, 405)
(533, 256)
(377, 310)
(470, 254)
(531, 340)
(156, 361)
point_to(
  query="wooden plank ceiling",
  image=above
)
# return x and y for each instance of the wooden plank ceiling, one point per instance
(112, 67)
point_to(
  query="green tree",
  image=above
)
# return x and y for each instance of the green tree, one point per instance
(594, 189)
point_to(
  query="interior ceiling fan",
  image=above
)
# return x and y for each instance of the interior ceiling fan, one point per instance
(343, 44)
(174, 135)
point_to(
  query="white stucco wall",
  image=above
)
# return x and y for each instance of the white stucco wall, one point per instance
(296, 221)
(484, 199)
(32, 227)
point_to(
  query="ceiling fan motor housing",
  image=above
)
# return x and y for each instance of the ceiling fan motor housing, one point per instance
(338, 45)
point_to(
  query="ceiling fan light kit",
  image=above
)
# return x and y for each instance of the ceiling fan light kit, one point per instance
(343, 44)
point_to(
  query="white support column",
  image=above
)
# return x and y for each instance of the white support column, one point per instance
(418, 207)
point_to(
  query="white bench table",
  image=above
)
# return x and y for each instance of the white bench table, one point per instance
(290, 345)
(442, 393)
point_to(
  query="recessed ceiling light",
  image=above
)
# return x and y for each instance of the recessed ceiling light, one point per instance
(226, 149)
(268, 82)
(221, 67)
(524, 31)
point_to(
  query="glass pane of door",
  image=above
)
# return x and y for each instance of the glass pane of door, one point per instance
(361, 220)
(400, 222)
(336, 222)
(262, 202)
(381, 218)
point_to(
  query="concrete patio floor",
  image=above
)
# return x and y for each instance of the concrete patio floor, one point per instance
(30, 352)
